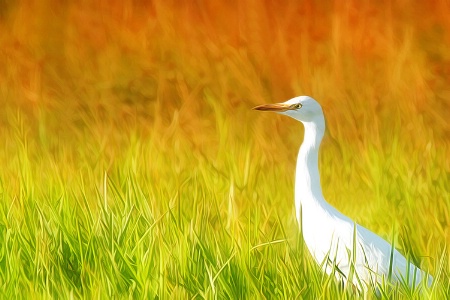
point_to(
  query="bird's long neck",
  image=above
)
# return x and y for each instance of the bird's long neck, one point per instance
(308, 192)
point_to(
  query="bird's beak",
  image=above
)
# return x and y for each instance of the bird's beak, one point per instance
(277, 107)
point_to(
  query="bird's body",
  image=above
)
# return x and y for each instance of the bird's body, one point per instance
(349, 251)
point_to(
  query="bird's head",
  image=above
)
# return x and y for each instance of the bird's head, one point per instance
(302, 108)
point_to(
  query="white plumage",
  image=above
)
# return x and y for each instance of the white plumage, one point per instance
(328, 234)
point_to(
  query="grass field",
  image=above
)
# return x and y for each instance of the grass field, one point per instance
(132, 165)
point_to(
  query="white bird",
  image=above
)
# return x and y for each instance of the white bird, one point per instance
(341, 247)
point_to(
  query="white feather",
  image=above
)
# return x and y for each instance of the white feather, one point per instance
(331, 237)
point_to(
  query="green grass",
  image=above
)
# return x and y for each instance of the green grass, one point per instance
(133, 166)
(147, 217)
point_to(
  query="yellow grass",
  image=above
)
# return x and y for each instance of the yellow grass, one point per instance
(93, 92)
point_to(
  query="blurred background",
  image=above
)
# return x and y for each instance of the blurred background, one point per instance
(79, 79)
(140, 63)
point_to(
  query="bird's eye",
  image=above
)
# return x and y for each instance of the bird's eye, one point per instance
(298, 105)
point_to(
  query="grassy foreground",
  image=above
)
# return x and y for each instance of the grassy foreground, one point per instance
(133, 167)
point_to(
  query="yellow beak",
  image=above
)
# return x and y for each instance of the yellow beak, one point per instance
(278, 107)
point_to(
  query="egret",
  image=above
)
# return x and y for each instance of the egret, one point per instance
(341, 247)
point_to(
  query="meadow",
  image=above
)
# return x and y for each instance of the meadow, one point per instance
(132, 165)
